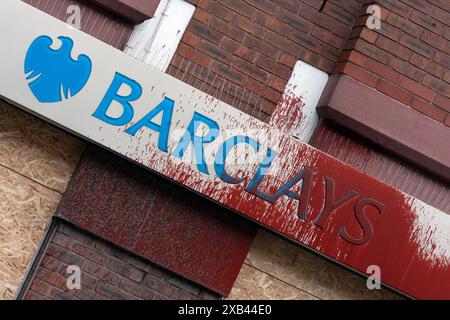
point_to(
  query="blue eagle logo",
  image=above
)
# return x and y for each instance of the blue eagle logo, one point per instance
(53, 75)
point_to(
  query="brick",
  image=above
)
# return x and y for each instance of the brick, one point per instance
(161, 287)
(184, 284)
(63, 240)
(264, 5)
(442, 58)
(288, 60)
(202, 16)
(447, 121)
(372, 51)
(384, 71)
(290, 5)
(405, 25)
(215, 52)
(310, 57)
(397, 7)
(419, 5)
(228, 29)
(342, 30)
(187, 296)
(433, 40)
(87, 281)
(305, 41)
(427, 65)
(407, 69)
(353, 6)
(394, 92)
(441, 15)
(417, 46)
(111, 250)
(339, 14)
(360, 74)
(447, 76)
(65, 255)
(267, 107)
(89, 253)
(216, 9)
(386, 44)
(417, 89)
(113, 292)
(443, 4)
(353, 56)
(319, 18)
(208, 295)
(284, 44)
(62, 295)
(439, 85)
(102, 273)
(428, 109)
(447, 33)
(442, 102)
(52, 278)
(364, 33)
(204, 31)
(86, 294)
(271, 94)
(419, 61)
(274, 67)
(329, 52)
(76, 234)
(435, 69)
(328, 37)
(40, 287)
(240, 7)
(31, 295)
(295, 21)
(126, 270)
(427, 22)
(276, 83)
(137, 290)
(260, 46)
(227, 72)
(147, 267)
(247, 25)
(191, 39)
(389, 31)
(325, 65)
(403, 52)
(246, 54)
(53, 264)
(272, 23)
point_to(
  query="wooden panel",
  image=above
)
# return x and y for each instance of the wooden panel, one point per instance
(253, 284)
(311, 274)
(25, 210)
(36, 149)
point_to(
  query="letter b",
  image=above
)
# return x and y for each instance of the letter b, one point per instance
(113, 95)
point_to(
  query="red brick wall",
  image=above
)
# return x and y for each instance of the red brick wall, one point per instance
(107, 272)
(408, 58)
(254, 44)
